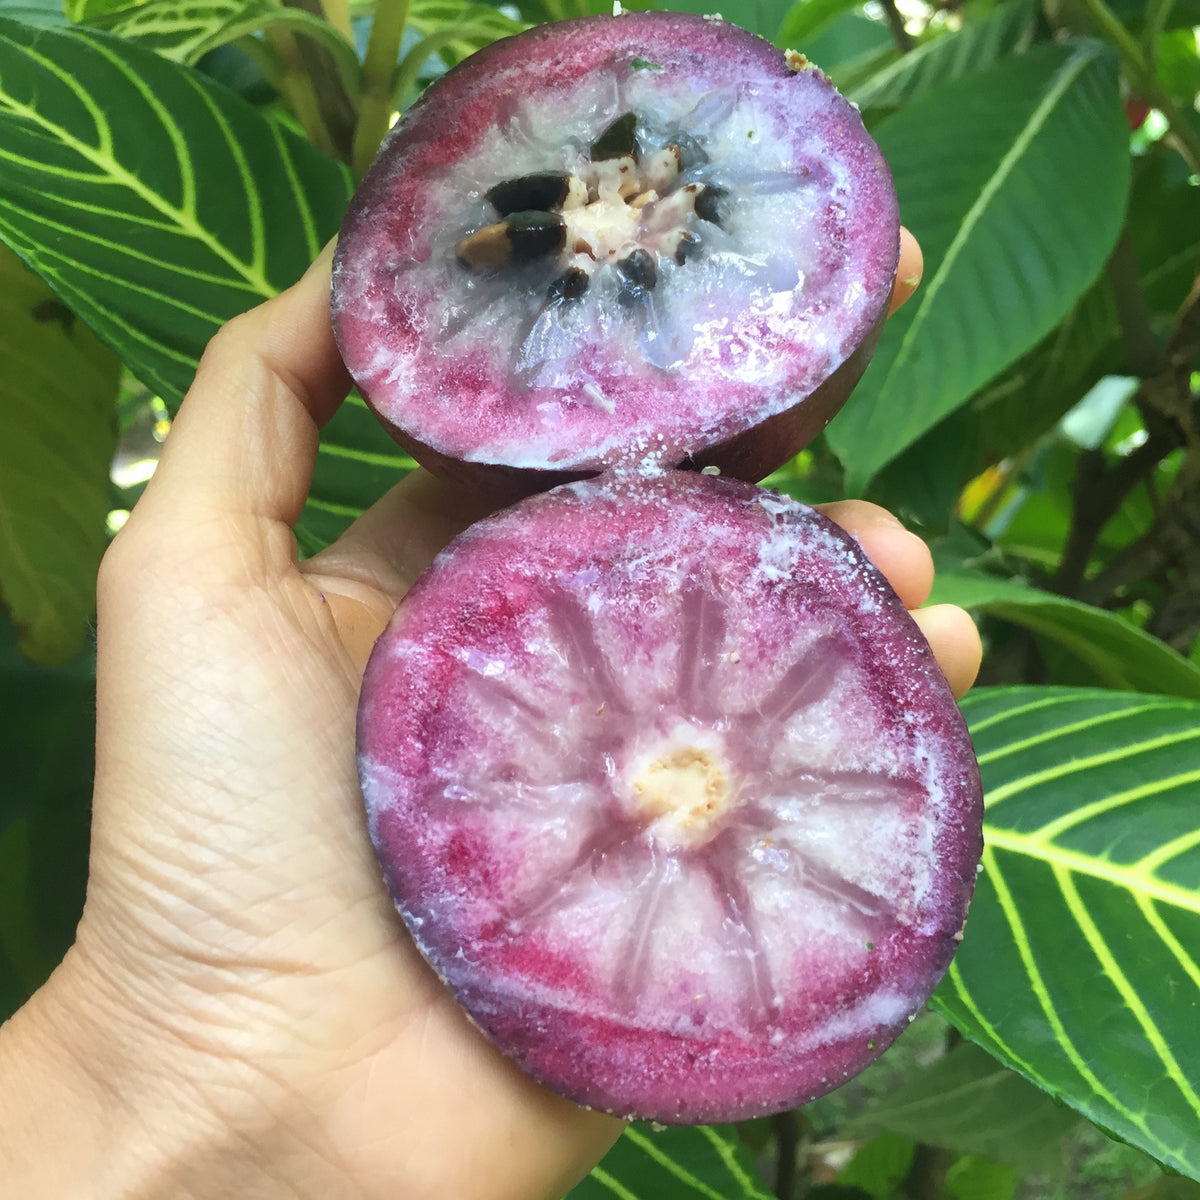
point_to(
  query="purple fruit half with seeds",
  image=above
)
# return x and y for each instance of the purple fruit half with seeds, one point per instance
(669, 789)
(652, 237)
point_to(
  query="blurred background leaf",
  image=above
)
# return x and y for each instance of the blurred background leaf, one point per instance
(58, 389)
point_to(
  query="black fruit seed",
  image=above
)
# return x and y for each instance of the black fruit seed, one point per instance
(570, 285)
(541, 192)
(689, 244)
(639, 270)
(617, 140)
(534, 235)
(708, 204)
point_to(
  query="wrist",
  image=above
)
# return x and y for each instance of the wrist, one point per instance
(53, 1122)
(87, 1114)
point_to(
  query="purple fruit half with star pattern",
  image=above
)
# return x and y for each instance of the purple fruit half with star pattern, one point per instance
(670, 791)
(614, 240)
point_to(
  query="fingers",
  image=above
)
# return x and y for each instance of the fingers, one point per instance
(245, 440)
(908, 270)
(954, 639)
(906, 562)
(901, 556)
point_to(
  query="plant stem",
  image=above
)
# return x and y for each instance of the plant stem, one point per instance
(297, 89)
(787, 1138)
(1143, 351)
(1099, 490)
(337, 13)
(895, 20)
(379, 66)
(336, 109)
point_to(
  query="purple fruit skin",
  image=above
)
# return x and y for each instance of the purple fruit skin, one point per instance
(481, 429)
(536, 1003)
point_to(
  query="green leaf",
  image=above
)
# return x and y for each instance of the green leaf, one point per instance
(968, 1102)
(1122, 655)
(448, 26)
(758, 16)
(58, 390)
(1019, 406)
(1079, 967)
(186, 30)
(47, 719)
(880, 1166)
(34, 12)
(85, 10)
(993, 199)
(850, 49)
(979, 44)
(806, 17)
(974, 1178)
(159, 227)
(1178, 65)
(684, 1164)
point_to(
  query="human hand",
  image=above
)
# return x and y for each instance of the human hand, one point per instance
(243, 1013)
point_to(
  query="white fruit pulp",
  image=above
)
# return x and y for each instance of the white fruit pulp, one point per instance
(780, 249)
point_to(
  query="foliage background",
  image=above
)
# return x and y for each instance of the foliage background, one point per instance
(1032, 412)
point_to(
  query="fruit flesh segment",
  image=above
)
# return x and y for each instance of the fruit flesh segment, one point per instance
(685, 815)
(749, 312)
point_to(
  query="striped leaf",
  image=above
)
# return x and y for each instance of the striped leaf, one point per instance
(186, 30)
(703, 1163)
(449, 27)
(1080, 968)
(1014, 180)
(163, 211)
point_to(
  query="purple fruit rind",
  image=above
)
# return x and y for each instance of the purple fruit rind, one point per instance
(454, 400)
(612, 963)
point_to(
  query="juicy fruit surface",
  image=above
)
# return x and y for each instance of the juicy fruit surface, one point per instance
(668, 788)
(759, 233)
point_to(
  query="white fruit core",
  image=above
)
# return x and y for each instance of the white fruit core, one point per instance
(682, 788)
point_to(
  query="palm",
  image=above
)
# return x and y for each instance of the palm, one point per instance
(238, 947)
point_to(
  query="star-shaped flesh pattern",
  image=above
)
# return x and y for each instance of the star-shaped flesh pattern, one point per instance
(670, 791)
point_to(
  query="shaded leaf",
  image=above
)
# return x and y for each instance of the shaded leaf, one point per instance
(880, 1166)
(968, 1102)
(758, 16)
(58, 389)
(1164, 229)
(158, 228)
(683, 1164)
(979, 44)
(974, 1178)
(993, 199)
(1079, 968)
(1121, 654)
(851, 48)
(47, 718)
(806, 17)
